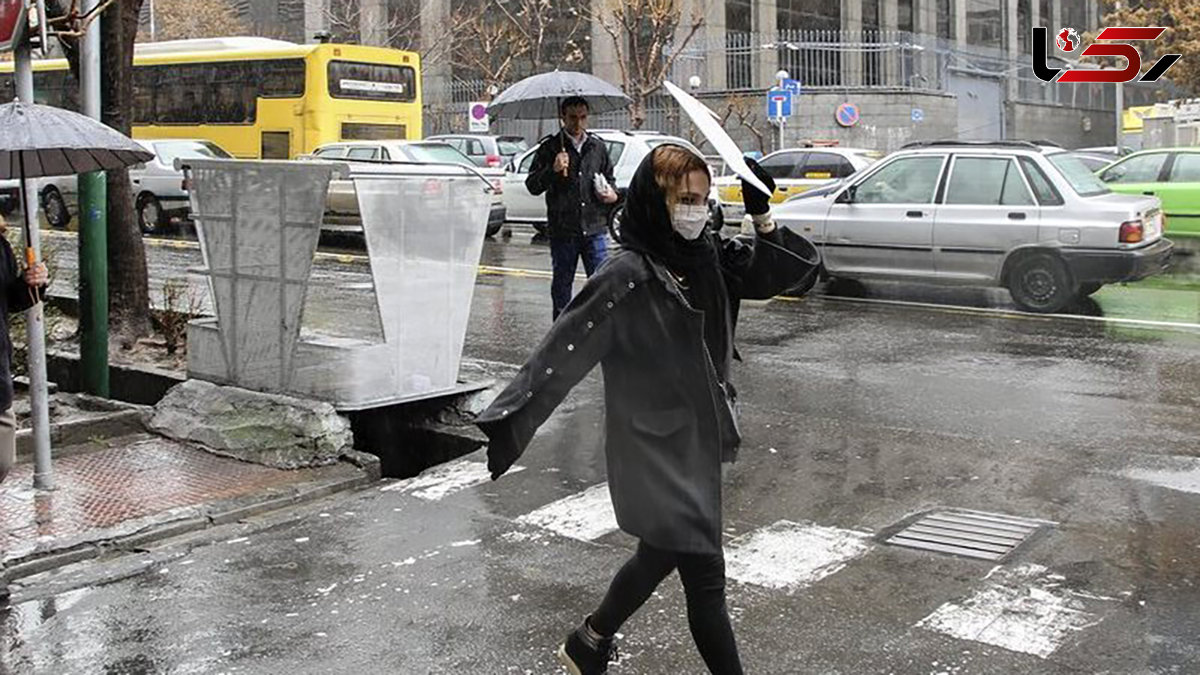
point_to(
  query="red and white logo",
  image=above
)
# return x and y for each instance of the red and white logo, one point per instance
(1067, 40)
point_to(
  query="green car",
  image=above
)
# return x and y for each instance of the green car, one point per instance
(1171, 174)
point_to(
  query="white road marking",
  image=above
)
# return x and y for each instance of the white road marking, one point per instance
(1173, 473)
(1022, 609)
(586, 516)
(789, 556)
(444, 480)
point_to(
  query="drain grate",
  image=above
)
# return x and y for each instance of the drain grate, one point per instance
(975, 534)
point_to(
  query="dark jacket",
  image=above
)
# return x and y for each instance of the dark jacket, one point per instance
(668, 423)
(15, 298)
(572, 207)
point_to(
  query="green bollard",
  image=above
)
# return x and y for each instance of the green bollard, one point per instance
(93, 283)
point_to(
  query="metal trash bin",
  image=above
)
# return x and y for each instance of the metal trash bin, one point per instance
(259, 224)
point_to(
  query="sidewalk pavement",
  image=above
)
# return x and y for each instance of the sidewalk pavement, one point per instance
(119, 493)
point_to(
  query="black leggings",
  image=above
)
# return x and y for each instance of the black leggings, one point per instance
(703, 579)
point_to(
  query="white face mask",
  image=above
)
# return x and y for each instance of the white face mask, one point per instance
(689, 220)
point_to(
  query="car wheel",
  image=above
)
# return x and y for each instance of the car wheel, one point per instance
(1088, 289)
(614, 224)
(493, 228)
(1040, 282)
(55, 209)
(150, 214)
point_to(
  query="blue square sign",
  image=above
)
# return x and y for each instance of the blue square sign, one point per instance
(779, 103)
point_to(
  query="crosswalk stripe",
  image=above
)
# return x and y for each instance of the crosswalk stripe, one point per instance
(1023, 609)
(789, 556)
(586, 515)
(446, 479)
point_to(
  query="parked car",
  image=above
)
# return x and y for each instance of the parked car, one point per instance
(342, 205)
(159, 191)
(626, 149)
(488, 151)
(1171, 174)
(10, 194)
(1093, 162)
(1014, 214)
(795, 171)
(1110, 150)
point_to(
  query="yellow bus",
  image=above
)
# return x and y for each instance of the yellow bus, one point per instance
(256, 97)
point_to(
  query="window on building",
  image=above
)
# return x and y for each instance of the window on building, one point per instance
(872, 64)
(985, 24)
(904, 15)
(799, 22)
(1074, 15)
(739, 59)
(1024, 26)
(945, 14)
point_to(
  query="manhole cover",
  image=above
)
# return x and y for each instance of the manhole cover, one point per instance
(975, 534)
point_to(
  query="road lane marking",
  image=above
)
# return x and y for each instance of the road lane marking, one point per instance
(790, 556)
(446, 479)
(585, 516)
(1023, 609)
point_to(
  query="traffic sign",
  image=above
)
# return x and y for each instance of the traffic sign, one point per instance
(847, 114)
(918, 115)
(792, 86)
(779, 103)
(477, 116)
(12, 23)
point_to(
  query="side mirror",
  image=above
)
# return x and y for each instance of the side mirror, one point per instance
(847, 196)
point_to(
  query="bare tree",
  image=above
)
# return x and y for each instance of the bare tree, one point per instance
(392, 23)
(644, 33)
(187, 19)
(553, 31)
(747, 112)
(488, 47)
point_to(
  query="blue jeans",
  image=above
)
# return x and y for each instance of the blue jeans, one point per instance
(564, 257)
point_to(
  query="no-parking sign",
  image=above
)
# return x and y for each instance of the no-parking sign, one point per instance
(477, 116)
(12, 23)
(847, 114)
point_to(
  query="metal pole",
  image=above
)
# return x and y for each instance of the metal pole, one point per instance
(35, 324)
(1120, 106)
(782, 119)
(153, 37)
(93, 233)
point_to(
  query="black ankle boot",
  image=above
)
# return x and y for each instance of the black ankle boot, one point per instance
(581, 658)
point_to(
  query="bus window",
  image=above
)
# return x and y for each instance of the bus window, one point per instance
(372, 81)
(280, 78)
(276, 145)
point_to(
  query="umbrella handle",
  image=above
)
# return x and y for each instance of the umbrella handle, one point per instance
(30, 257)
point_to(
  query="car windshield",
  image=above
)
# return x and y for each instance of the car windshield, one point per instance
(511, 146)
(169, 151)
(435, 152)
(1082, 180)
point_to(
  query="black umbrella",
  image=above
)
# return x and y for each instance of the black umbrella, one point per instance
(38, 140)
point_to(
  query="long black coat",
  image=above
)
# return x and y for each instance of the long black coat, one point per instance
(572, 207)
(668, 423)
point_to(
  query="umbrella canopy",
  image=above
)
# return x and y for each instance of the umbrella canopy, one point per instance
(538, 97)
(38, 140)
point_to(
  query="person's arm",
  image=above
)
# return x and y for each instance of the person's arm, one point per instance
(775, 259)
(581, 336)
(541, 171)
(20, 295)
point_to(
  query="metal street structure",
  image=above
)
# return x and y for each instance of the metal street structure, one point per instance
(93, 232)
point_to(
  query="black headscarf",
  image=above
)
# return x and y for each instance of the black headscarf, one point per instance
(695, 265)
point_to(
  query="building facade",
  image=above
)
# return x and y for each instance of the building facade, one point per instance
(912, 69)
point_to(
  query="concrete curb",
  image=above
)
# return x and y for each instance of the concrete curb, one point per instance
(75, 432)
(211, 515)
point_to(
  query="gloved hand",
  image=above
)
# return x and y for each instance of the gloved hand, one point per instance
(756, 202)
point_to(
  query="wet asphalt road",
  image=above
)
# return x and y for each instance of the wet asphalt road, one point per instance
(857, 416)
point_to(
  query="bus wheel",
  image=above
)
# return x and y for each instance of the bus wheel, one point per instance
(150, 213)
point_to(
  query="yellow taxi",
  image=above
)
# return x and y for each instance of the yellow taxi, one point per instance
(795, 170)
